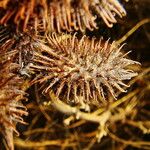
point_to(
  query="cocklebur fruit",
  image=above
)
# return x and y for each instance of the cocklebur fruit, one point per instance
(81, 68)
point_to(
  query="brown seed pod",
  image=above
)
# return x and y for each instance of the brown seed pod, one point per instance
(78, 15)
(67, 16)
(11, 94)
(83, 68)
(60, 15)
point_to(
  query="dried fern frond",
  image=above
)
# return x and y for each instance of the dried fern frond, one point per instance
(11, 95)
(60, 15)
(81, 69)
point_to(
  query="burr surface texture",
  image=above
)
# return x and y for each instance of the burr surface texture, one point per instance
(81, 69)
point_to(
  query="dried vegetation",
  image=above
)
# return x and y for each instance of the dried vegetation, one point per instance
(76, 85)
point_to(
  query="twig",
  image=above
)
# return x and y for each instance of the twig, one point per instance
(130, 32)
(27, 144)
(138, 144)
(67, 109)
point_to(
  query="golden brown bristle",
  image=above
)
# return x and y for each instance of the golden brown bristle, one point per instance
(83, 68)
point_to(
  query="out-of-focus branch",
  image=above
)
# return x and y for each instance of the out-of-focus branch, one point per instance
(69, 110)
(130, 32)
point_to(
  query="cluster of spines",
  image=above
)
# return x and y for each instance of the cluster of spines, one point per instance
(60, 15)
(84, 68)
(11, 93)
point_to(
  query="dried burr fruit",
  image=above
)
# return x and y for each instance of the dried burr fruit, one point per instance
(62, 15)
(81, 69)
(11, 93)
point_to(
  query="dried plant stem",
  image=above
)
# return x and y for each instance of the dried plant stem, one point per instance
(30, 144)
(141, 75)
(130, 32)
(102, 118)
(38, 130)
(76, 124)
(138, 144)
(67, 109)
(90, 145)
(141, 125)
(40, 106)
(118, 102)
